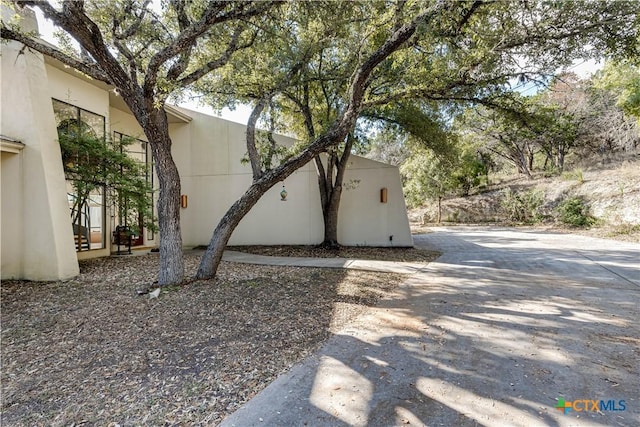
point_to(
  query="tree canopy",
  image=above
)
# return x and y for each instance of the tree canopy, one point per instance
(317, 67)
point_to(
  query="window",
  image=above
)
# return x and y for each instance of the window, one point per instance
(78, 130)
(139, 150)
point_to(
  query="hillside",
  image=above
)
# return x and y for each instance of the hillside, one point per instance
(611, 192)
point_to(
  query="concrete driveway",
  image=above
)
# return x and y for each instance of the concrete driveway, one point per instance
(506, 324)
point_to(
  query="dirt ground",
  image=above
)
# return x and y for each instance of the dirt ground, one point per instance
(350, 252)
(90, 351)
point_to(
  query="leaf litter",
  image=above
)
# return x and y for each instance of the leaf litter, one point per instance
(91, 351)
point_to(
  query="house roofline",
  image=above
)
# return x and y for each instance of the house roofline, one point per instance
(10, 145)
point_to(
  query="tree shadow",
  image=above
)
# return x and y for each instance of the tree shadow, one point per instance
(482, 336)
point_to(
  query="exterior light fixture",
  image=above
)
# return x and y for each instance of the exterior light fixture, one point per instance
(183, 201)
(283, 194)
(383, 195)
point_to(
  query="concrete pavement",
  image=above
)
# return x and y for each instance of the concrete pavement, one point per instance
(498, 329)
(353, 264)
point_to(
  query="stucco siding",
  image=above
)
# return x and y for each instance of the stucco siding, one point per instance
(67, 88)
(364, 220)
(40, 212)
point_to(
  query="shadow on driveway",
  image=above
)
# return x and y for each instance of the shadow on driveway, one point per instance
(493, 333)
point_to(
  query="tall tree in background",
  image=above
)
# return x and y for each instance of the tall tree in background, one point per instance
(148, 57)
(622, 78)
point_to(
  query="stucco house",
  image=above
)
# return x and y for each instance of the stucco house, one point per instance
(39, 241)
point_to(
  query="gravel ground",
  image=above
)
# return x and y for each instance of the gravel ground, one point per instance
(90, 351)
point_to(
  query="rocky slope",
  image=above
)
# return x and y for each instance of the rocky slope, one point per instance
(611, 191)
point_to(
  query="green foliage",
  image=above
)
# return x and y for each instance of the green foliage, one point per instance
(271, 153)
(422, 122)
(426, 176)
(575, 212)
(623, 79)
(92, 164)
(523, 206)
(574, 175)
(470, 172)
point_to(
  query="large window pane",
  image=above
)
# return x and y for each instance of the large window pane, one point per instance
(86, 199)
(138, 150)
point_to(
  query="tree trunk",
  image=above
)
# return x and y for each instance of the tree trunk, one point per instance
(560, 161)
(332, 187)
(171, 263)
(338, 131)
(439, 209)
(213, 255)
(330, 217)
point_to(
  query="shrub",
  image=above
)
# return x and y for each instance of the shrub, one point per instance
(574, 175)
(575, 212)
(522, 206)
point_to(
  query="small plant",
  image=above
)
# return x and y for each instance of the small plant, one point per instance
(624, 229)
(575, 175)
(575, 212)
(522, 206)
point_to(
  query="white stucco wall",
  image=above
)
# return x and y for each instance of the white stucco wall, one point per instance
(208, 152)
(37, 238)
(67, 88)
(363, 219)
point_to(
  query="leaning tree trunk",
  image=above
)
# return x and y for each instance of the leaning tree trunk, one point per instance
(213, 255)
(340, 129)
(171, 262)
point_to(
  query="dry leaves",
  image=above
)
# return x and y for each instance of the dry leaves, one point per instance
(91, 351)
(350, 252)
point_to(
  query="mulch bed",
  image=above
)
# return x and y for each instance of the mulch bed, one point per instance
(351, 252)
(90, 351)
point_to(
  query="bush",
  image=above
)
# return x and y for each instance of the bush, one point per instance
(574, 175)
(575, 212)
(522, 206)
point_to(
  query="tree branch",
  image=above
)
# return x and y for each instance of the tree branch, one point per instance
(44, 48)
(217, 63)
(187, 38)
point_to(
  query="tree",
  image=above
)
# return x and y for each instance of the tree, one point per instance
(587, 116)
(435, 51)
(337, 131)
(308, 91)
(622, 78)
(508, 134)
(443, 51)
(94, 165)
(427, 176)
(149, 57)
(387, 146)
